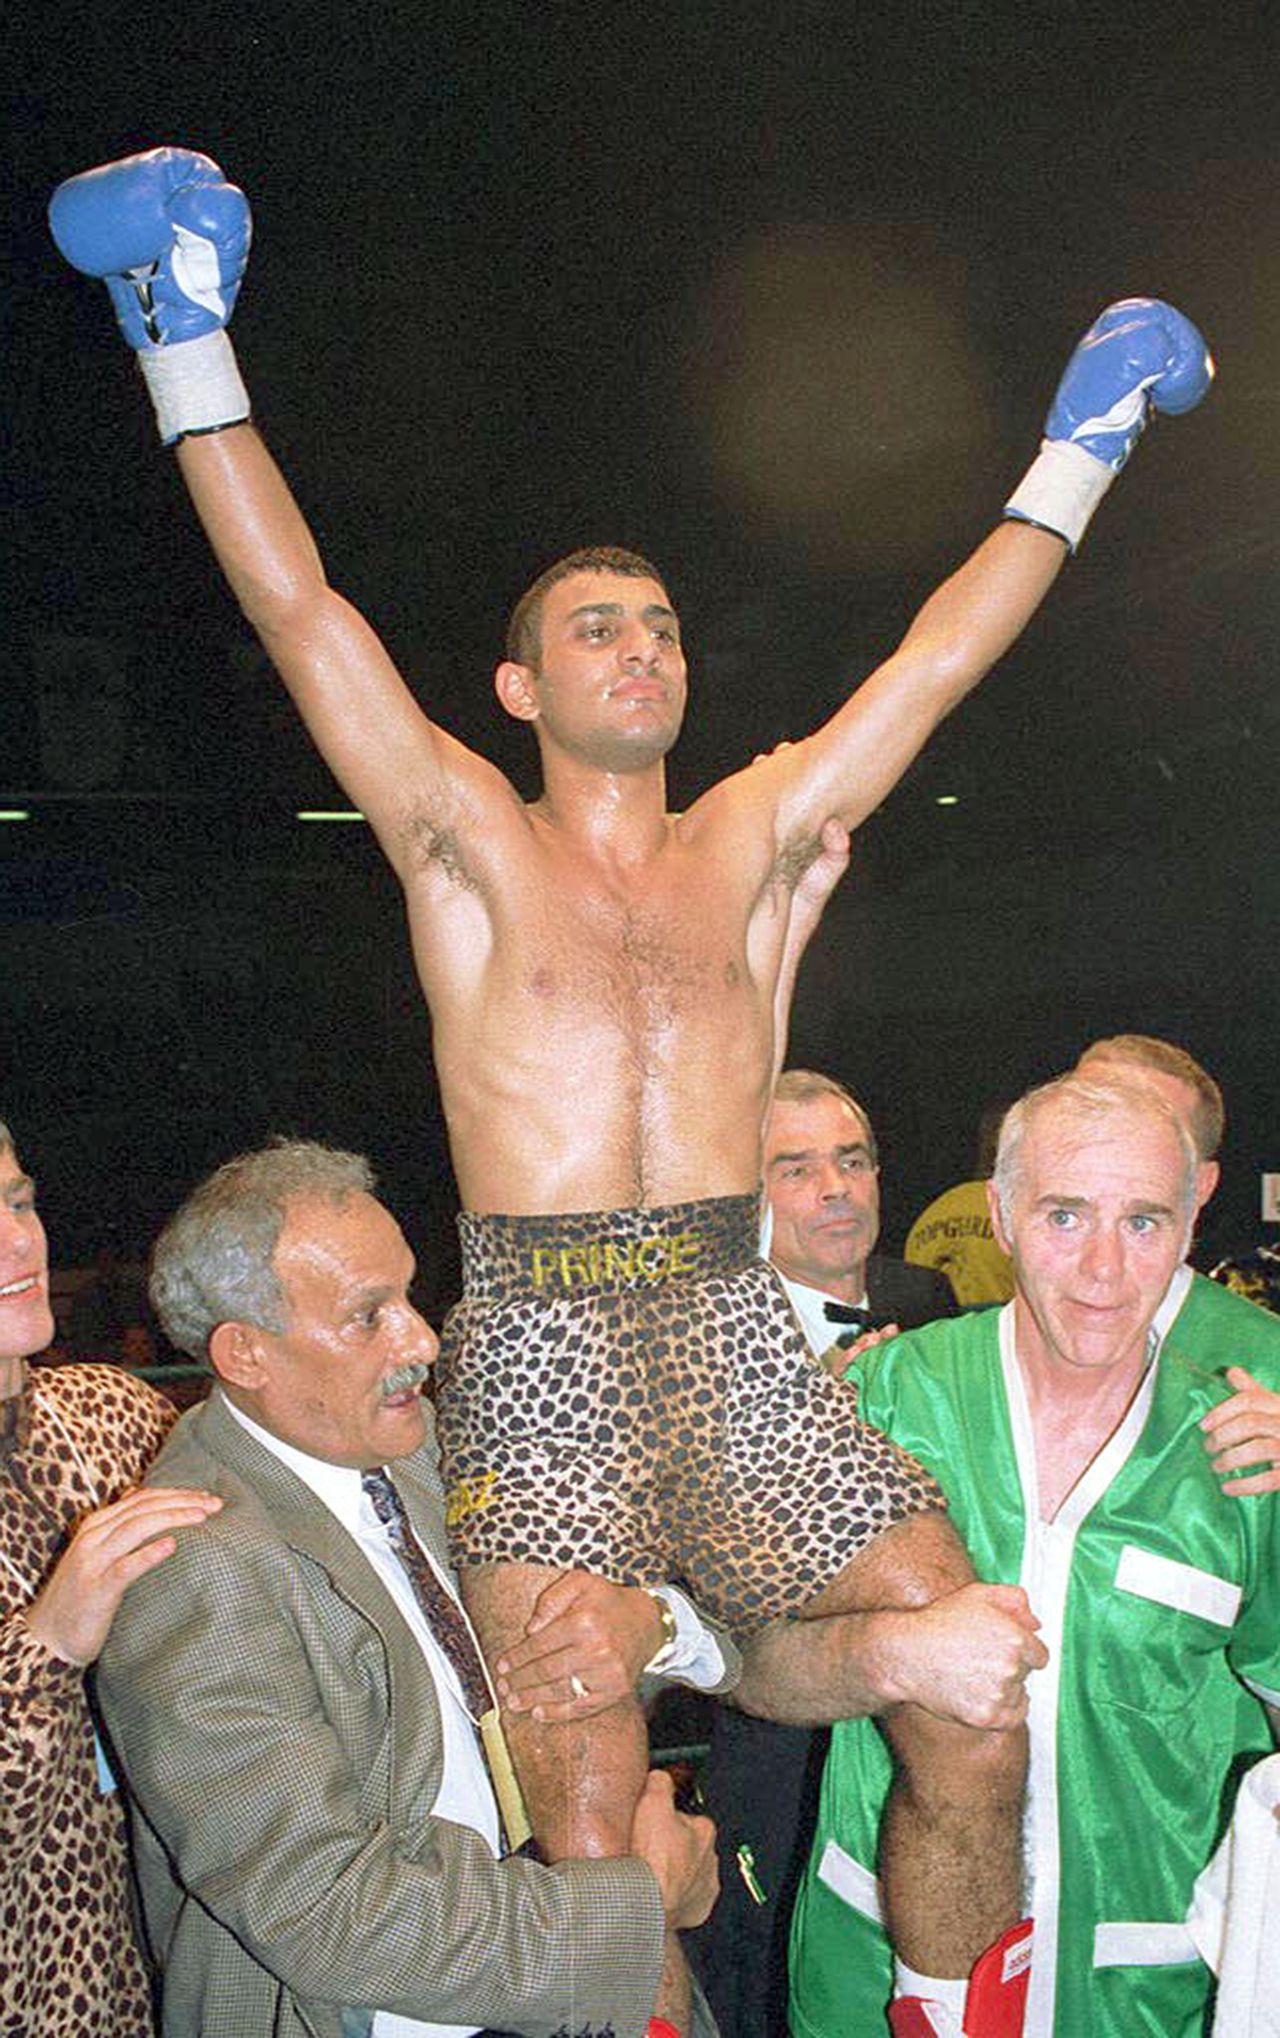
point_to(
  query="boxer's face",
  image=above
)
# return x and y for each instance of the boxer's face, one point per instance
(343, 1381)
(26, 1320)
(610, 684)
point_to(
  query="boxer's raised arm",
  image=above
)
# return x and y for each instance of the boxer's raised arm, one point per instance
(1139, 355)
(371, 731)
(170, 238)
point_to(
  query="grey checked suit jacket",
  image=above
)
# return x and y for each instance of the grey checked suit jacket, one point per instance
(280, 1735)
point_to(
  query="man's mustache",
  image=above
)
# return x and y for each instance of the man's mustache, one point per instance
(405, 1377)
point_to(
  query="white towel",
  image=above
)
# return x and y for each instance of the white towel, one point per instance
(1234, 1916)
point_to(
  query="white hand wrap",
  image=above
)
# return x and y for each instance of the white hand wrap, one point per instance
(195, 386)
(1060, 490)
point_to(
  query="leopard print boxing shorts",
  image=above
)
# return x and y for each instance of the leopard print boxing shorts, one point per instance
(629, 1391)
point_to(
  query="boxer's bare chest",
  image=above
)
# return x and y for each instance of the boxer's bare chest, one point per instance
(649, 951)
(619, 1022)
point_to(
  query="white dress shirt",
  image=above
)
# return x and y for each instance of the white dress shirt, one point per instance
(810, 1306)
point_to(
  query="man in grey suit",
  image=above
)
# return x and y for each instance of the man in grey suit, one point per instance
(318, 1843)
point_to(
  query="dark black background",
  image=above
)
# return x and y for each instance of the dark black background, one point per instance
(776, 295)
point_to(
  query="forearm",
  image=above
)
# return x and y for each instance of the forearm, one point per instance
(258, 534)
(363, 719)
(169, 235)
(1138, 355)
(851, 764)
(963, 628)
(812, 1673)
(973, 618)
(963, 1655)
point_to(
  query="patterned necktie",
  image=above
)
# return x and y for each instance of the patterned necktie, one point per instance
(440, 1610)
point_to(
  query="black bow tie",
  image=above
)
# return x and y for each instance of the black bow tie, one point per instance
(841, 1312)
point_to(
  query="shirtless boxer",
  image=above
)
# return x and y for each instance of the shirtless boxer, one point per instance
(601, 977)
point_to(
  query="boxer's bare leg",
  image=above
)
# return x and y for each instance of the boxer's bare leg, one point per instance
(581, 1778)
(950, 1857)
(951, 1839)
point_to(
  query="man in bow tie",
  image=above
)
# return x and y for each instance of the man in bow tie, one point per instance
(822, 1188)
(822, 1221)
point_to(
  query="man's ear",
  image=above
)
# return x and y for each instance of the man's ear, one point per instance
(236, 1354)
(1207, 1174)
(514, 687)
(997, 1221)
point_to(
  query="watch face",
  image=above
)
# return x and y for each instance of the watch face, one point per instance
(668, 1620)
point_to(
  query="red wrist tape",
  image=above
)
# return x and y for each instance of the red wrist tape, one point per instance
(658, 2027)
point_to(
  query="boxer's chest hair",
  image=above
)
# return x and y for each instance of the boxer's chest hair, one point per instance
(639, 966)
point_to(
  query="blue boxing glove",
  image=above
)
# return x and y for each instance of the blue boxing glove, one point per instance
(1138, 356)
(170, 237)
(166, 232)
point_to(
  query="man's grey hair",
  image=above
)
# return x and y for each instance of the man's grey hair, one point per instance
(6, 1139)
(1145, 1051)
(1087, 1102)
(214, 1262)
(801, 1086)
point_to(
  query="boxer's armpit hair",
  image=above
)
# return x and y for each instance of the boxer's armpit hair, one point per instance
(429, 840)
(794, 859)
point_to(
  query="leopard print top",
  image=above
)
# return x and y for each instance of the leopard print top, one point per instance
(69, 1964)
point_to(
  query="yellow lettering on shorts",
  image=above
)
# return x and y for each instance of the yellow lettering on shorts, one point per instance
(686, 1247)
(620, 1259)
(574, 1265)
(469, 1496)
(542, 1263)
(653, 1268)
(588, 1262)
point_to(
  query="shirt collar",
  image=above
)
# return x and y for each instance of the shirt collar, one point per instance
(1174, 1297)
(809, 1305)
(337, 1486)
